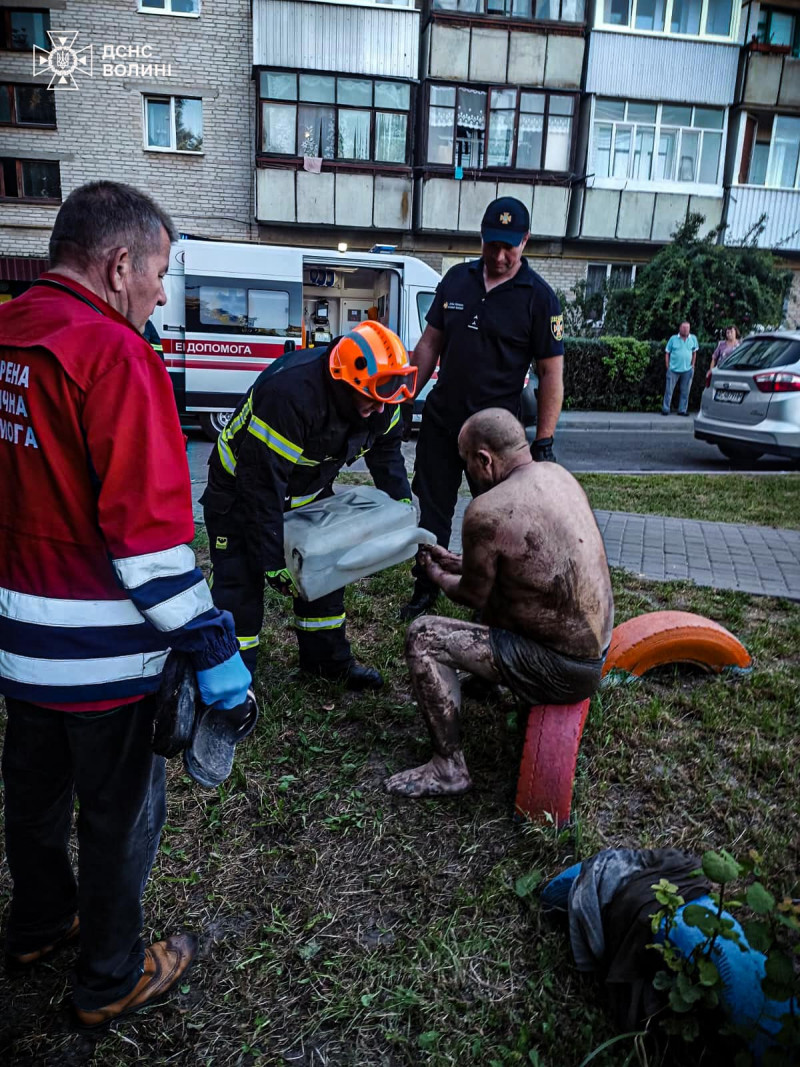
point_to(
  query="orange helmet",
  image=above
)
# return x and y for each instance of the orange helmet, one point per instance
(373, 360)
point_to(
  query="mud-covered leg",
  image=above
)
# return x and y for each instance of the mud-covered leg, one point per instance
(435, 649)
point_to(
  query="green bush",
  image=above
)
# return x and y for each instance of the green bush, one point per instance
(622, 374)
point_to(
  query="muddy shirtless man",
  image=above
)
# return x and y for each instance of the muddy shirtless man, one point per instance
(534, 565)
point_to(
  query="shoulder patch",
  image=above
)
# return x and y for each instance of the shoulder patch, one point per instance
(557, 326)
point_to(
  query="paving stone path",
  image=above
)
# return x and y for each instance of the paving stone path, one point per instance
(724, 555)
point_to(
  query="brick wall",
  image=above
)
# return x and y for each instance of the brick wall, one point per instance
(100, 127)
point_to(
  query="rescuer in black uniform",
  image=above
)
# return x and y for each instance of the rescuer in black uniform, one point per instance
(490, 319)
(306, 416)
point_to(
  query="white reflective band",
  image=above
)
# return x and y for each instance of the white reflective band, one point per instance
(332, 622)
(136, 570)
(50, 611)
(80, 672)
(178, 610)
(247, 642)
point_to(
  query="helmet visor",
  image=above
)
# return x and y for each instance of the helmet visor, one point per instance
(392, 386)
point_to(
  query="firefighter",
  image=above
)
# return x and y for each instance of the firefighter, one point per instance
(307, 415)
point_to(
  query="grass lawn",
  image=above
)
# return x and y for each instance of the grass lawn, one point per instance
(341, 926)
(761, 500)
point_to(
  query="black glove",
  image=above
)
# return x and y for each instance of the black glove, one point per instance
(542, 450)
(282, 582)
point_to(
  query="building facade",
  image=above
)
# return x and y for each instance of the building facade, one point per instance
(315, 122)
(157, 93)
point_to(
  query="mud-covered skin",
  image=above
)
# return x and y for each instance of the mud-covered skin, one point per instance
(436, 647)
(534, 562)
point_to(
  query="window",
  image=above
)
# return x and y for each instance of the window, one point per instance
(346, 118)
(710, 18)
(600, 278)
(657, 142)
(173, 123)
(225, 309)
(424, 301)
(544, 10)
(772, 152)
(499, 127)
(778, 28)
(27, 105)
(171, 7)
(21, 29)
(30, 179)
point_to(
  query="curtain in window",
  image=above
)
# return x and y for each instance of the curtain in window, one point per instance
(315, 131)
(529, 144)
(470, 126)
(353, 134)
(390, 137)
(559, 137)
(572, 10)
(279, 129)
(158, 123)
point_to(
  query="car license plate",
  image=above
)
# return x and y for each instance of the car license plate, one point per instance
(730, 396)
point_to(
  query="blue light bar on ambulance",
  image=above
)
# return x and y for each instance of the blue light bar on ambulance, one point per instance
(385, 250)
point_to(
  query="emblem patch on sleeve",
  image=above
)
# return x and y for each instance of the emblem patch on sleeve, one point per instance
(557, 326)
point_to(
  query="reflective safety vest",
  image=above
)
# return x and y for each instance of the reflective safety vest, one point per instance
(286, 442)
(96, 578)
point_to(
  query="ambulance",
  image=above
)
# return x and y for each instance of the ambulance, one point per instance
(234, 308)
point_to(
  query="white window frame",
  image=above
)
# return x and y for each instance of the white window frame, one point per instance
(767, 185)
(732, 35)
(173, 132)
(655, 185)
(608, 266)
(167, 10)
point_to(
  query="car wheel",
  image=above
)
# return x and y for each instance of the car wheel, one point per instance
(740, 453)
(214, 422)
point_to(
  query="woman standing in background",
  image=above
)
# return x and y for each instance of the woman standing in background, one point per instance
(724, 348)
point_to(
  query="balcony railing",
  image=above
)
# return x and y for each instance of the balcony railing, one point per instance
(780, 208)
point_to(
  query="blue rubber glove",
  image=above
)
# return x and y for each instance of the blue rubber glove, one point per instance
(226, 685)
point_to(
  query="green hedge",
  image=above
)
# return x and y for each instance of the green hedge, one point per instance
(622, 374)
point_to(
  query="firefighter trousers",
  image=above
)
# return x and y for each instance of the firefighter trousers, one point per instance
(438, 470)
(238, 587)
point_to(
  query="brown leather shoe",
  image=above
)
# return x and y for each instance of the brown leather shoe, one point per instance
(21, 960)
(164, 963)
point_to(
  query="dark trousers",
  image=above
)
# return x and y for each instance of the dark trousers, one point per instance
(107, 760)
(438, 470)
(238, 587)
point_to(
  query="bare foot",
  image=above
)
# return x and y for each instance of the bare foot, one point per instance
(437, 778)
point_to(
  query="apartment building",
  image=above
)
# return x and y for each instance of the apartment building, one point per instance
(336, 88)
(153, 92)
(762, 178)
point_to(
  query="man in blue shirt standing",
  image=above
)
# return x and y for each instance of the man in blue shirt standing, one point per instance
(681, 353)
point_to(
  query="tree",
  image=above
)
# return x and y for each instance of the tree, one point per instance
(697, 279)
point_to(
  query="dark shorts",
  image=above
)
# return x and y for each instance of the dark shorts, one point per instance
(537, 674)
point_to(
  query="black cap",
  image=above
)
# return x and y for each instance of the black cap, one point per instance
(506, 220)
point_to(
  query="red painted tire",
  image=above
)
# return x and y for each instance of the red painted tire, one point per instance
(547, 770)
(663, 637)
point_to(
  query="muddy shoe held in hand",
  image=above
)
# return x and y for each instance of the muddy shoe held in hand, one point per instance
(165, 963)
(217, 732)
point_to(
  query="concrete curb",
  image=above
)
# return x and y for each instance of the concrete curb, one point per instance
(625, 422)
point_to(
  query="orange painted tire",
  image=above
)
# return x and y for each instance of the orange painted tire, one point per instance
(663, 637)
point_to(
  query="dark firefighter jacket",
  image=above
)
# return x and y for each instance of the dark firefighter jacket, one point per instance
(285, 444)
